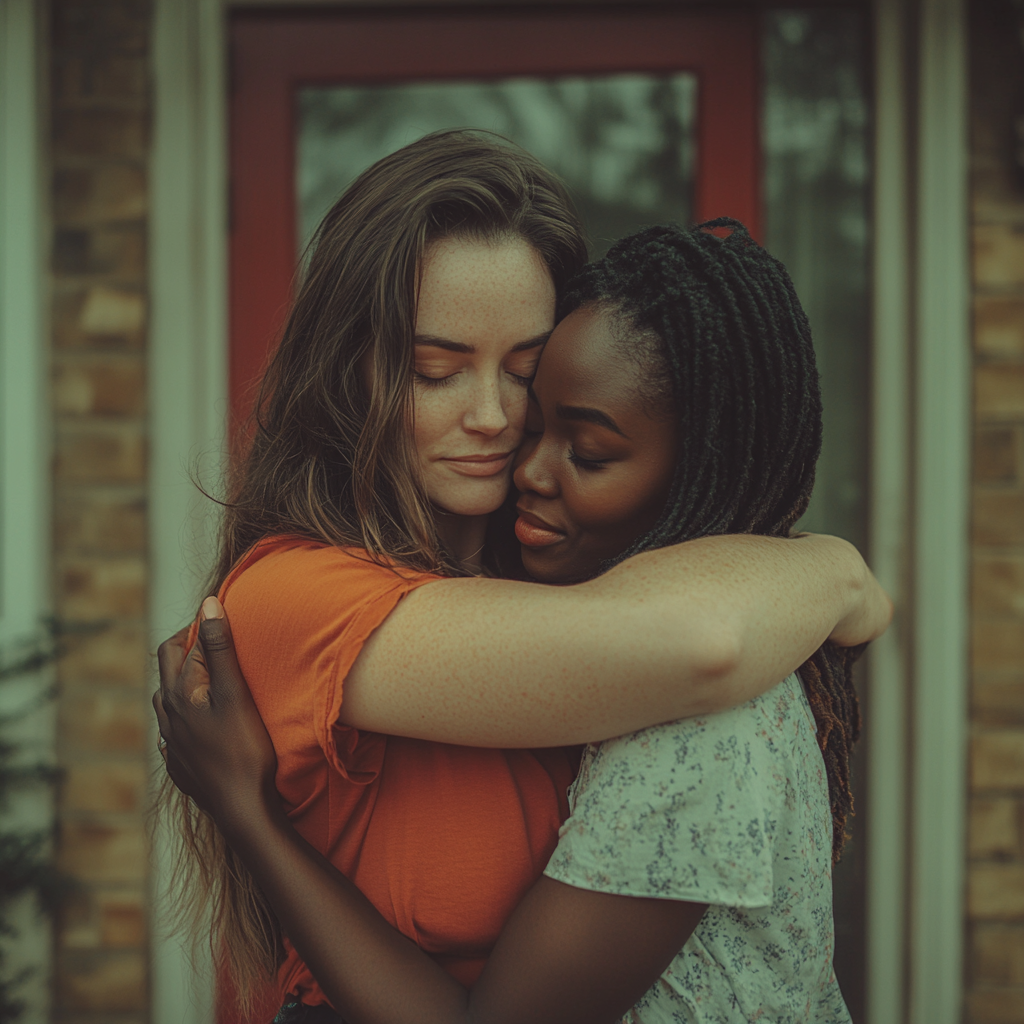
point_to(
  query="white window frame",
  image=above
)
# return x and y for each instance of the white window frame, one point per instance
(920, 427)
(188, 394)
(24, 438)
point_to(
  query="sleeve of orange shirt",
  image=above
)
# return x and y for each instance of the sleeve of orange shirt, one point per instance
(300, 613)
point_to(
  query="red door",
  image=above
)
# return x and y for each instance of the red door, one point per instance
(274, 55)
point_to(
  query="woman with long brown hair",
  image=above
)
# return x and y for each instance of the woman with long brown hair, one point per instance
(381, 450)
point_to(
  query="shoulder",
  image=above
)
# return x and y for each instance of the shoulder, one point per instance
(703, 752)
(290, 567)
(689, 809)
(311, 589)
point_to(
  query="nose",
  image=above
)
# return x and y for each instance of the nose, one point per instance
(487, 414)
(533, 473)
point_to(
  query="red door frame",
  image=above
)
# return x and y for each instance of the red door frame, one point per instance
(273, 54)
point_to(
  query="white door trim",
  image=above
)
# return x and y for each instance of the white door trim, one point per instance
(885, 723)
(941, 493)
(921, 425)
(25, 450)
(188, 383)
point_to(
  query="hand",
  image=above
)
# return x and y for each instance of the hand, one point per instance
(218, 750)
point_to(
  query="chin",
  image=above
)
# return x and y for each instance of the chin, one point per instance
(545, 569)
(476, 499)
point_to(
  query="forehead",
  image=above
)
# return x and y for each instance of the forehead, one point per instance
(585, 362)
(483, 286)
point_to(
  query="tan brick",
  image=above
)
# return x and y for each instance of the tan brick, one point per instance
(111, 524)
(998, 701)
(995, 1006)
(91, 78)
(98, 318)
(98, 26)
(997, 954)
(96, 589)
(993, 829)
(116, 787)
(100, 133)
(111, 387)
(999, 326)
(102, 981)
(998, 585)
(119, 250)
(78, 925)
(997, 759)
(998, 645)
(997, 455)
(103, 722)
(998, 518)
(118, 656)
(998, 255)
(103, 919)
(994, 193)
(112, 311)
(995, 891)
(122, 921)
(95, 851)
(100, 454)
(95, 194)
(999, 391)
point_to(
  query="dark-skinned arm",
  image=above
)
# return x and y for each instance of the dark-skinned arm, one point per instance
(566, 955)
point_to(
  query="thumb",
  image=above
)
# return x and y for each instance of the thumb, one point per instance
(226, 680)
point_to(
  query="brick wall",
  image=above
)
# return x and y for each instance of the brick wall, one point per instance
(100, 137)
(995, 969)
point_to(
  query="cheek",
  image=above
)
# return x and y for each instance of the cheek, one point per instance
(604, 500)
(434, 415)
(515, 402)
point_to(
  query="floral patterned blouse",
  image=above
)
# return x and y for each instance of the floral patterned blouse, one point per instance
(731, 810)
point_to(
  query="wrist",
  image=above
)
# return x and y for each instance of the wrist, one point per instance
(245, 818)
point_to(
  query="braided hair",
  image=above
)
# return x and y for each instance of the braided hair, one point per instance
(725, 343)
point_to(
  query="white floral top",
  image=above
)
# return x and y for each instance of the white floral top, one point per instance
(730, 810)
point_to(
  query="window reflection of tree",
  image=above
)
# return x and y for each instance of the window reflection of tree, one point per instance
(623, 143)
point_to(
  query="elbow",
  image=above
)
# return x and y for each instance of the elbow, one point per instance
(719, 658)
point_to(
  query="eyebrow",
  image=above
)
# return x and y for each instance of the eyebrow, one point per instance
(458, 346)
(582, 414)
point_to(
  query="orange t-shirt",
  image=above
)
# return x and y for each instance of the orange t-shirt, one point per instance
(444, 840)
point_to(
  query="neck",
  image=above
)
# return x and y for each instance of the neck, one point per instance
(463, 538)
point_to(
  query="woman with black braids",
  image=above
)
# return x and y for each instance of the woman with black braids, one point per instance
(677, 399)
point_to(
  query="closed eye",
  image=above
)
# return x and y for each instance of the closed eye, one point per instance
(587, 464)
(435, 382)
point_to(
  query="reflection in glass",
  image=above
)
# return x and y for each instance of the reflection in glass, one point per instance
(623, 143)
(816, 217)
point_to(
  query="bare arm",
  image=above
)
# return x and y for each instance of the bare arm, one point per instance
(566, 955)
(685, 630)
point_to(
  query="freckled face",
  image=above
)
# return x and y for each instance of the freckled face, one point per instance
(484, 312)
(596, 468)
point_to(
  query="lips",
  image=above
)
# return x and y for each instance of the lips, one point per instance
(534, 532)
(479, 465)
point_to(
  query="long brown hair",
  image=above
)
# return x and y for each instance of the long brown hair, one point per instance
(329, 458)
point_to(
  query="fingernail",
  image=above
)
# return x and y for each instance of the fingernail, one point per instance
(212, 609)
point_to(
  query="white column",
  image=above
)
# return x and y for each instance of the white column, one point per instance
(942, 487)
(188, 382)
(886, 719)
(24, 444)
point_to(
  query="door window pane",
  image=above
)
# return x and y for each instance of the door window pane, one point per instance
(815, 148)
(623, 143)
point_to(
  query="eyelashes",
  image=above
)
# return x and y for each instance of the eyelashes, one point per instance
(586, 464)
(449, 380)
(434, 382)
